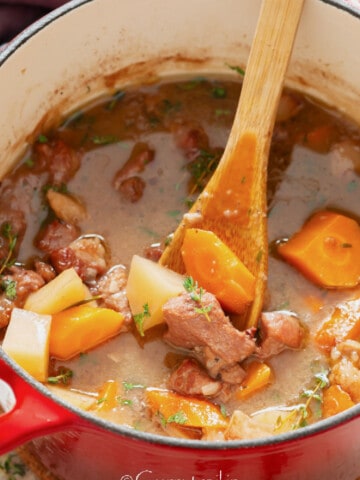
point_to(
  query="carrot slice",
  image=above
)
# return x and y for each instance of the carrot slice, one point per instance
(81, 328)
(344, 324)
(335, 400)
(258, 376)
(186, 411)
(217, 269)
(326, 250)
(107, 396)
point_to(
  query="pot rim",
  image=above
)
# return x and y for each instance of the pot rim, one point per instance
(312, 430)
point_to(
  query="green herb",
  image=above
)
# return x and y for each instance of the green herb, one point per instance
(9, 287)
(237, 69)
(104, 139)
(219, 112)
(29, 162)
(191, 84)
(124, 401)
(12, 467)
(65, 375)
(170, 107)
(219, 92)
(174, 213)
(202, 167)
(62, 188)
(312, 395)
(115, 100)
(42, 138)
(223, 411)
(196, 294)
(139, 319)
(7, 233)
(179, 417)
(131, 386)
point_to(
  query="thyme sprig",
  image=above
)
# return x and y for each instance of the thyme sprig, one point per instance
(13, 467)
(139, 319)
(11, 237)
(302, 413)
(65, 375)
(196, 294)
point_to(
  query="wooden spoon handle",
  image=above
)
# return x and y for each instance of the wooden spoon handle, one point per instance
(233, 204)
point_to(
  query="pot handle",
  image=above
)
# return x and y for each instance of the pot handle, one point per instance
(27, 412)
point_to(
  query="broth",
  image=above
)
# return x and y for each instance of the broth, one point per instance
(178, 129)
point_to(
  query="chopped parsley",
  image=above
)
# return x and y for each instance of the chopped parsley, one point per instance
(13, 467)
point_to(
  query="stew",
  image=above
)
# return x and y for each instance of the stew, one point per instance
(86, 308)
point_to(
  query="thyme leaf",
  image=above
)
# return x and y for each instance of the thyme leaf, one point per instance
(8, 234)
(12, 467)
(139, 319)
(65, 375)
(196, 294)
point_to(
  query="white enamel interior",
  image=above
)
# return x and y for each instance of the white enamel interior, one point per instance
(104, 44)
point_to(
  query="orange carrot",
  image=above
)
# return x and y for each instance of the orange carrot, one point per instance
(107, 396)
(217, 269)
(343, 324)
(81, 328)
(258, 376)
(185, 411)
(335, 400)
(326, 250)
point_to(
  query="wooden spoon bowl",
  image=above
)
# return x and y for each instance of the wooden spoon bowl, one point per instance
(233, 204)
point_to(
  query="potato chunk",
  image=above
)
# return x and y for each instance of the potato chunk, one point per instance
(27, 341)
(151, 284)
(63, 291)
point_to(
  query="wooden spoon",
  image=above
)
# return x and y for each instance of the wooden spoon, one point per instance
(233, 204)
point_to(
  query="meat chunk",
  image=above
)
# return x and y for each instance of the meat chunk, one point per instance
(191, 379)
(132, 188)
(213, 339)
(190, 138)
(111, 289)
(139, 157)
(56, 235)
(22, 283)
(61, 160)
(86, 254)
(279, 330)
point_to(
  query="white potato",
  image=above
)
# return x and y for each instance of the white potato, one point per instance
(151, 284)
(27, 341)
(63, 291)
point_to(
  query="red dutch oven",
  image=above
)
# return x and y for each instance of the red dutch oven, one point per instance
(74, 54)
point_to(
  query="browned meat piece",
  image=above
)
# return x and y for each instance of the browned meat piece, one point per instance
(25, 282)
(191, 379)
(132, 188)
(111, 288)
(140, 156)
(45, 270)
(153, 252)
(191, 139)
(56, 235)
(217, 343)
(279, 330)
(62, 160)
(86, 254)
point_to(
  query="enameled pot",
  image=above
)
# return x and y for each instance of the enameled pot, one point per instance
(88, 47)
